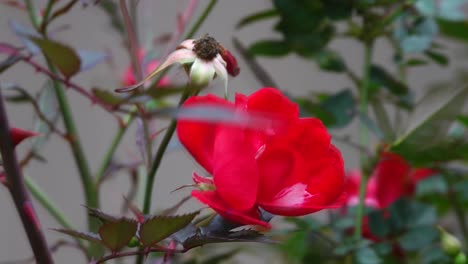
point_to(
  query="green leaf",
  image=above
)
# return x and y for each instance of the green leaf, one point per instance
(414, 33)
(162, 92)
(61, 56)
(454, 29)
(434, 255)
(256, 17)
(418, 238)
(447, 9)
(366, 255)
(330, 61)
(407, 214)
(431, 185)
(158, 228)
(116, 235)
(295, 246)
(92, 237)
(429, 127)
(273, 48)
(415, 62)
(378, 224)
(437, 57)
(379, 76)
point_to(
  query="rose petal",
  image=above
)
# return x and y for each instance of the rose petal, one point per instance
(198, 136)
(271, 101)
(231, 63)
(309, 137)
(235, 171)
(327, 179)
(391, 174)
(213, 200)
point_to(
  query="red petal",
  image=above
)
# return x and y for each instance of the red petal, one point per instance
(231, 63)
(213, 200)
(278, 168)
(291, 205)
(18, 135)
(326, 177)
(272, 102)
(310, 138)
(391, 174)
(235, 171)
(200, 179)
(197, 135)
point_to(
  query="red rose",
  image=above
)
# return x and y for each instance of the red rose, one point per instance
(289, 167)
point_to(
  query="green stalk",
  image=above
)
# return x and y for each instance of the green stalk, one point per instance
(47, 10)
(363, 105)
(32, 12)
(201, 19)
(90, 192)
(113, 147)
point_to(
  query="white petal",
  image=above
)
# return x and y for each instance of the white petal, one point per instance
(187, 44)
(220, 67)
(201, 72)
(181, 56)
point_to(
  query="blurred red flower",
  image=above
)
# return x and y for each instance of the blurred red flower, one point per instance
(288, 167)
(391, 179)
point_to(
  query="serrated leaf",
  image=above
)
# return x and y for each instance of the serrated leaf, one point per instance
(157, 228)
(92, 237)
(236, 236)
(116, 235)
(105, 218)
(273, 48)
(429, 124)
(61, 56)
(256, 17)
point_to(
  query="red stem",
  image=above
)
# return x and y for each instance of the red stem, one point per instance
(19, 192)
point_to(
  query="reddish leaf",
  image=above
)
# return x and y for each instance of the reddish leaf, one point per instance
(92, 237)
(105, 218)
(158, 227)
(116, 235)
(61, 56)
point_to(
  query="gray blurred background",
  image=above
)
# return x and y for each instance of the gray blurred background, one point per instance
(90, 29)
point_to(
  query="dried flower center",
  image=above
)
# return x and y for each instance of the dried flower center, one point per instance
(206, 48)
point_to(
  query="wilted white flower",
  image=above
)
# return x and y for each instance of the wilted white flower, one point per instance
(203, 59)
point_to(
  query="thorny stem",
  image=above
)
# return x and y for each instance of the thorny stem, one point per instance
(157, 161)
(48, 204)
(363, 100)
(90, 193)
(55, 77)
(20, 194)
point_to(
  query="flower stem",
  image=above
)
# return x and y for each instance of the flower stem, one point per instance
(363, 105)
(201, 19)
(20, 194)
(32, 12)
(113, 147)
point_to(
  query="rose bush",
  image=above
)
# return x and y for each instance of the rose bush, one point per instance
(288, 168)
